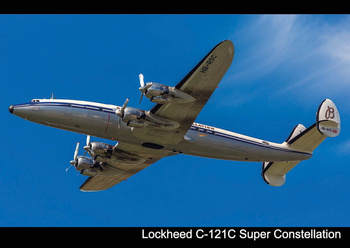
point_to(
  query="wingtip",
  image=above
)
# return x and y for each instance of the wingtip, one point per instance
(230, 46)
(83, 190)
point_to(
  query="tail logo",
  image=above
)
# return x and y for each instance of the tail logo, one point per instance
(329, 113)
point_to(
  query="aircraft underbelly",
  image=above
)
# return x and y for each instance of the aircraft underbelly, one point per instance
(236, 148)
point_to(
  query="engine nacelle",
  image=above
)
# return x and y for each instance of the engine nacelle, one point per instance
(133, 114)
(138, 118)
(156, 89)
(159, 93)
(85, 163)
(100, 149)
(133, 117)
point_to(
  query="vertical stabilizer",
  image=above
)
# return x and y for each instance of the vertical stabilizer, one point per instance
(328, 119)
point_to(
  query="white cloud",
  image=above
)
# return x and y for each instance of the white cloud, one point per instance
(305, 52)
(336, 45)
(262, 45)
(343, 149)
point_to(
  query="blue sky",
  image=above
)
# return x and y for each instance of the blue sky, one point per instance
(284, 67)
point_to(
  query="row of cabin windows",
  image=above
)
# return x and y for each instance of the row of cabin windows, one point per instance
(69, 105)
(199, 129)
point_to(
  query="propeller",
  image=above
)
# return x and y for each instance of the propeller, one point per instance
(120, 112)
(88, 145)
(143, 87)
(75, 158)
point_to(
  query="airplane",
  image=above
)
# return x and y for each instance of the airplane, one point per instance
(168, 128)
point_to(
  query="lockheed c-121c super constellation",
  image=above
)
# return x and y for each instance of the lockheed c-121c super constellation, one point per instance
(169, 129)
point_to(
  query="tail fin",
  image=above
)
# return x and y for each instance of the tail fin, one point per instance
(306, 140)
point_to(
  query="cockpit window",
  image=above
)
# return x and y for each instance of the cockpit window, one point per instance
(35, 100)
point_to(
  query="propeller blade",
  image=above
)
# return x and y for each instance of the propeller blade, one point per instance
(75, 158)
(124, 105)
(141, 98)
(76, 151)
(85, 153)
(142, 88)
(120, 112)
(142, 83)
(88, 145)
(88, 140)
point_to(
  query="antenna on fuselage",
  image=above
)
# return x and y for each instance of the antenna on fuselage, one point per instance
(52, 96)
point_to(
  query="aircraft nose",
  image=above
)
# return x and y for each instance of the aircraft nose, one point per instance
(11, 109)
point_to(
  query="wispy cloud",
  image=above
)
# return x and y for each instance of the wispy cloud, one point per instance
(289, 54)
(343, 149)
(262, 44)
(336, 45)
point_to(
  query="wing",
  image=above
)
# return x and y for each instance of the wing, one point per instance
(116, 172)
(200, 83)
(102, 182)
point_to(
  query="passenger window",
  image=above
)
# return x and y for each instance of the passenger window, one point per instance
(210, 131)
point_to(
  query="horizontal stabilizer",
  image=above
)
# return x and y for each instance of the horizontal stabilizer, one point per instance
(308, 140)
(274, 173)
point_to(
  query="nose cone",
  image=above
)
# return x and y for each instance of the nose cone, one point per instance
(11, 109)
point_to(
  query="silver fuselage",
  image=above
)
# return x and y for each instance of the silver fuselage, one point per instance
(100, 120)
